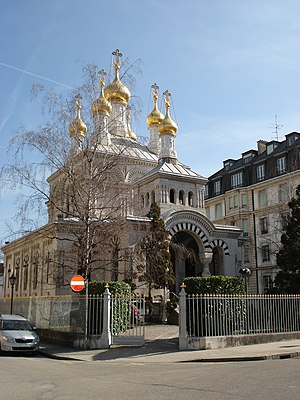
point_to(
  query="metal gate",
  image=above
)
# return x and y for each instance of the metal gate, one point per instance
(127, 321)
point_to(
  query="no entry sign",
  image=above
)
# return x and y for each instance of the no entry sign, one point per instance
(77, 283)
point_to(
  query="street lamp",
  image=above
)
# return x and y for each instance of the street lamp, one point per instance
(245, 272)
(12, 280)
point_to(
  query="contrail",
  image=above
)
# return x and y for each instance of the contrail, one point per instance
(36, 75)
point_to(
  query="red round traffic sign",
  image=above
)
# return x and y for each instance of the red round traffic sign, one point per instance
(77, 283)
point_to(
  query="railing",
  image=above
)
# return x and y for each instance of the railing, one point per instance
(226, 315)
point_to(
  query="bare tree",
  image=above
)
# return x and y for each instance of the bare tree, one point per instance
(85, 193)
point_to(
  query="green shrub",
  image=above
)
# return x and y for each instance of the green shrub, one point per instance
(215, 285)
(115, 288)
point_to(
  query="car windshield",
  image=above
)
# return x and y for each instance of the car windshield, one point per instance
(16, 325)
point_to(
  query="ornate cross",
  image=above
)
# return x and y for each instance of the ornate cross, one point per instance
(102, 75)
(167, 95)
(155, 91)
(117, 55)
(78, 98)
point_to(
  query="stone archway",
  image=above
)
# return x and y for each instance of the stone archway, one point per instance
(216, 267)
(187, 260)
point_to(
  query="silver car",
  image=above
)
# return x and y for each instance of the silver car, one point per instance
(16, 334)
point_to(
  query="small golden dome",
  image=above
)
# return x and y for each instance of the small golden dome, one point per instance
(131, 134)
(116, 91)
(155, 117)
(77, 126)
(167, 125)
(101, 105)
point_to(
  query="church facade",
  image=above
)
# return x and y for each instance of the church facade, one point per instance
(119, 199)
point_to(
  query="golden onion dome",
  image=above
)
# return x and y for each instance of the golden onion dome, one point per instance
(116, 91)
(77, 126)
(167, 125)
(131, 134)
(155, 117)
(101, 105)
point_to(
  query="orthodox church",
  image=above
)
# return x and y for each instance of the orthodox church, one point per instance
(140, 175)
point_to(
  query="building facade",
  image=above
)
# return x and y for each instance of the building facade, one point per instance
(105, 208)
(253, 193)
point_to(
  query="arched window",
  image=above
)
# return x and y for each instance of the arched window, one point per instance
(142, 201)
(172, 196)
(181, 197)
(147, 199)
(152, 197)
(191, 199)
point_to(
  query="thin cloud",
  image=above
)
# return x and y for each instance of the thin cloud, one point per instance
(36, 75)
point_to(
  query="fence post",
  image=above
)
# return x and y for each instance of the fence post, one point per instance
(106, 333)
(182, 319)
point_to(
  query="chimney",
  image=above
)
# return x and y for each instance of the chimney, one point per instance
(261, 146)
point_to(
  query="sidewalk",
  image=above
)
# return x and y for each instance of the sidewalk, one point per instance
(161, 346)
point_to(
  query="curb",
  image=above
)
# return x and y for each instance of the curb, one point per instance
(57, 357)
(281, 356)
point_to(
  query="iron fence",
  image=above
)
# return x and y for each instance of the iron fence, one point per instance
(224, 315)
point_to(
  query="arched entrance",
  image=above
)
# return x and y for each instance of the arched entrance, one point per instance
(186, 250)
(217, 262)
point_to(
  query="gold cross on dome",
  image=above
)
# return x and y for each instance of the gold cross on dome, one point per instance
(155, 91)
(78, 97)
(167, 95)
(102, 75)
(117, 55)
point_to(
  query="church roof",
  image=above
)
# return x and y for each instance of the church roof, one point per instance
(173, 170)
(129, 148)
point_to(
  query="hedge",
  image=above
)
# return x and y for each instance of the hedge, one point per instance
(215, 285)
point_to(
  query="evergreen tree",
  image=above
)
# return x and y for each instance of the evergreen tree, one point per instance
(155, 249)
(288, 259)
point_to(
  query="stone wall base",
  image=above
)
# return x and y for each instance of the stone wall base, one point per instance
(220, 342)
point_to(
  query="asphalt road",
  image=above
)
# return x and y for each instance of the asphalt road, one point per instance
(38, 378)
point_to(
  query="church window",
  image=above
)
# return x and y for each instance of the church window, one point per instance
(147, 199)
(142, 201)
(181, 197)
(191, 199)
(172, 196)
(152, 197)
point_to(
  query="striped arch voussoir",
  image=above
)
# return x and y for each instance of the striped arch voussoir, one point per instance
(222, 244)
(186, 226)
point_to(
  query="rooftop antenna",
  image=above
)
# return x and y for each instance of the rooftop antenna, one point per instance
(277, 127)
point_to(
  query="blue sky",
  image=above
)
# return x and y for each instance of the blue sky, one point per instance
(231, 66)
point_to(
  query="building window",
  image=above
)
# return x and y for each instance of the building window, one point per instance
(260, 172)
(283, 193)
(172, 196)
(236, 180)
(142, 201)
(245, 227)
(244, 200)
(217, 187)
(218, 211)
(207, 212)
(268, 283)
(206, 191)
(191, 199)
(230, 202)
(147, 199)
(280, 165)
(265, 250)
(181, 197)
(236, 201)
(246, 254)
(263, 225)
(152, 197)
(262, 198)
